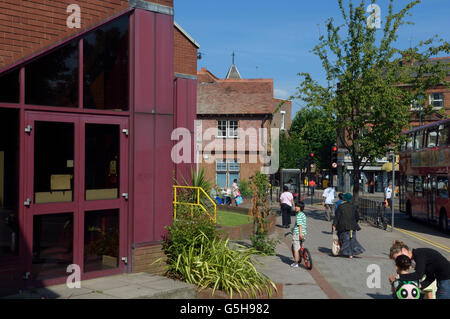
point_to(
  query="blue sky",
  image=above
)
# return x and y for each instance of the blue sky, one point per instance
(274, 39)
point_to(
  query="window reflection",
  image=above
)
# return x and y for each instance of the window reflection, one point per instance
(10, 87)
(52, 245)
(53, 162)
(101, 240)
(102, 161)
(53, 78)
(9, 182)
(106, 66)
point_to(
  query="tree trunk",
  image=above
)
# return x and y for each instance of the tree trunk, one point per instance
(356, 178)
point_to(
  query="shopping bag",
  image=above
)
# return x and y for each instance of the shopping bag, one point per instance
(336, 248)
(238, 200)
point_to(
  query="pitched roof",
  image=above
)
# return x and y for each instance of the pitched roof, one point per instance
(233, 96)
(233, 73)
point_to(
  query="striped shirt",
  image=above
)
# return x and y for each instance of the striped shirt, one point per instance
(300, 219)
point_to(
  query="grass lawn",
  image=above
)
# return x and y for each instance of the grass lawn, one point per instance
(225, 218)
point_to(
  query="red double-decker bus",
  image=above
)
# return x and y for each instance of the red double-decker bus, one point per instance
(425, 174)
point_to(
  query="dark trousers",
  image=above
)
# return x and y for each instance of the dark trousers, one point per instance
(286, 214)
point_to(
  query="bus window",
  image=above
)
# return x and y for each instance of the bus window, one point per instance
(444, 134)
(442, 187)
(432, 138)
(418, 140)
(409, 184)
(418, 186)
(409, 142)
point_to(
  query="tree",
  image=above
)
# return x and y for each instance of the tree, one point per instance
(371, 84)
(312, 131)
(316, 131)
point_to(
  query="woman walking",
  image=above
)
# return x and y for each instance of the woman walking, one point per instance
(346, 224)
(286, 203)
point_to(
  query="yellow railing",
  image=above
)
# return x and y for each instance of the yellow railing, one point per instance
(198, 190)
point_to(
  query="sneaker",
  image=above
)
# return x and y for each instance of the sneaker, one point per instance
(294, 265)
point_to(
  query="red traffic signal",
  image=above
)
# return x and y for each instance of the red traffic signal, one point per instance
(312, 154)
(335, 149)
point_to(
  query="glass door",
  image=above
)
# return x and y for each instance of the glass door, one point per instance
(75, 194)
(103, 205)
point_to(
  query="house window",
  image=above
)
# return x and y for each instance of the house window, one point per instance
(227, 129)
(226, 173)
(437, 100)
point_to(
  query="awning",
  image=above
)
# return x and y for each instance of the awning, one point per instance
(388, 166)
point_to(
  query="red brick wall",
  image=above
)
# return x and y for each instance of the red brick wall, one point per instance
(28, 26)
(167, 3)
(185, 59)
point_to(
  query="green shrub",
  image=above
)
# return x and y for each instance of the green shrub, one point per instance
(212, 264)
(183, 233)
(263, 244)
(244, 188)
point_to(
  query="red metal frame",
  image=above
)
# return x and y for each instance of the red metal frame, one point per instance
(79, 205)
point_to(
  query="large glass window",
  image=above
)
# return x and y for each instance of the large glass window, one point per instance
(101, 240)
(444, 135)
(418, 140)
(10, 87)
(106, 66)
(53, 78)
(102, 161)
(9, 182)
(418, 186)
(432, 138)
(54, 162)
(442, 187)
(52, 245)
(410, 184)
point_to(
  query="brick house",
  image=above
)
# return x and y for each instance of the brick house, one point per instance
(230, 113)
(86, 116)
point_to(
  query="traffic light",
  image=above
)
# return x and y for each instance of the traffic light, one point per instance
(311, 164)
(334, 160)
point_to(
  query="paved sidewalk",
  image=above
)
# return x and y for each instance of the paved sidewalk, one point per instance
(125, 286)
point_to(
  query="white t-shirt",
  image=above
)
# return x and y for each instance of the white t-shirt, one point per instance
(329, 195)
(388, 192)
(287, 198)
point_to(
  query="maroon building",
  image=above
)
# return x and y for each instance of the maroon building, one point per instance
(86, 117)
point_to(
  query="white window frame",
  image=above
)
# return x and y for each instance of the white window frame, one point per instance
(283, 113)
(232, 127)
(432, 100)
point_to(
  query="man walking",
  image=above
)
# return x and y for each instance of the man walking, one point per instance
(328, 201)
(388, 195)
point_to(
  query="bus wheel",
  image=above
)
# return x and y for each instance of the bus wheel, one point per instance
(443, 221)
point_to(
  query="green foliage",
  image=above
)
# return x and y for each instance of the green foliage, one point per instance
(259, 212)
(370, 84)
(244, 188)
(183, 233)
(312, 131)
(263, 244)
(212, 264)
